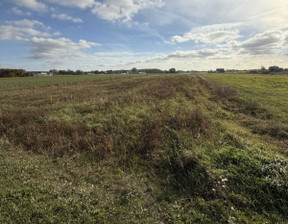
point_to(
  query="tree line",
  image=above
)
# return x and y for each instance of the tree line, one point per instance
(4, 72)
(13, 73)
(121, 71)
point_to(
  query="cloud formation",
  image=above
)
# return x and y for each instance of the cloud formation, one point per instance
(123, 10)
(266, 43)
(74, 3)
(31, 4)
(23, 30)
(203, 53)
(182, 34)
(212, 34)
(37, 5)
(64, 16)
(26, 23)
(19, 12)
(42, 44)
(111, 10)
(61, 48)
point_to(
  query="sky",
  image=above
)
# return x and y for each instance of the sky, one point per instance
(123, 34)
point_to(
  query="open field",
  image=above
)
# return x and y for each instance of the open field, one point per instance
(32, 82)
(143, 149)
(270, 91)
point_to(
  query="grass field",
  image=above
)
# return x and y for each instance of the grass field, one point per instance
(32, 82)
(144, 149)
(270, 91)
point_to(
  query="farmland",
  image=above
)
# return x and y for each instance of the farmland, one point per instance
(163, 148)
(270, 91)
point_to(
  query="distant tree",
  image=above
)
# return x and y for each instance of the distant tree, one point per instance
(66, 72)
(134, 70)
(53, 71)
(150, 70)
(275, 69)
(263, 68)
(62, 72)
(220, 70)
(79, 72)
(172, 70)
(13, 73)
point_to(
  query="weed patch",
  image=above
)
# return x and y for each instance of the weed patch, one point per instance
(250, 178)
(274, 130)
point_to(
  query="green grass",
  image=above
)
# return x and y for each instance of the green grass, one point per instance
(32, 82)
(140, 149)
(270, 91)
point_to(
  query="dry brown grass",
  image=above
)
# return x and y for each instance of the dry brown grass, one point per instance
(26, 115)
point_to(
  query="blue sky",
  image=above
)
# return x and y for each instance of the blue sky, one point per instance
(122, 34)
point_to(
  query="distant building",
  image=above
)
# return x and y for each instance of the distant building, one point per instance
(220, 70)
(41, 73)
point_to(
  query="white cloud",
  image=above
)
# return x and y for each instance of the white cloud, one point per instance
(74, 3)
(42, 46)
(57, 49)
(212, 34)
(266, 48)
(18, 33)
(23, 30)
(31, 4)
(19, 12)
(112, 10)
(266, 43)
(64, 16)
(25, 23)
(203, 53)
(123, 10)
(39, 6)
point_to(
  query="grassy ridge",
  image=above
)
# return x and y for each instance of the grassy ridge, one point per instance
(139, 149)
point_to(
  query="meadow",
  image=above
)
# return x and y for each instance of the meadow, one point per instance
(32, 82)
(178, 148)
(270, 91)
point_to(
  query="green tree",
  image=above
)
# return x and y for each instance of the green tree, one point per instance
(172, 70)
(134, 70)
